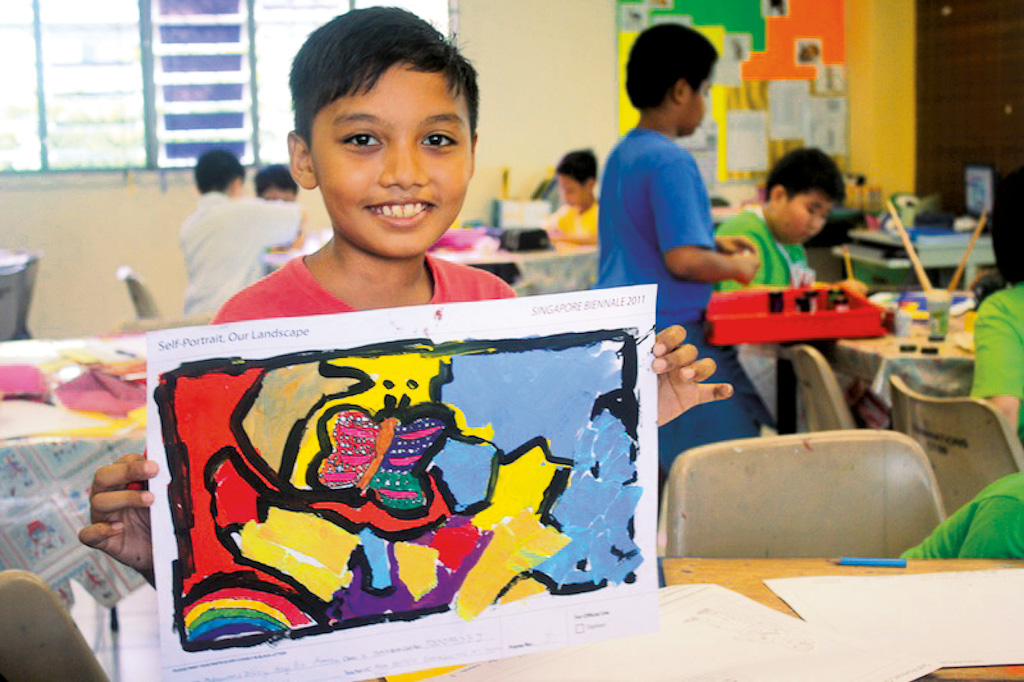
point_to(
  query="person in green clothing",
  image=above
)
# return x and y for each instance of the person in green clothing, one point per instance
(800, 191)
(999, 327)
(991, 526)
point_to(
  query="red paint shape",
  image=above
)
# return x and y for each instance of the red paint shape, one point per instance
(454, 544)
(202, 408)
(236, 498)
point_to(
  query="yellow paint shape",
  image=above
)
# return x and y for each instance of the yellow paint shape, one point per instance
(524, 588)
(423, 674)
(417, 568)
(520, 485)
(486, 431)
(518, 545)
(313, 551)
(409, 375)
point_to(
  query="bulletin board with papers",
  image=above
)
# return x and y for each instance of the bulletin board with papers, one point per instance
(779, 84)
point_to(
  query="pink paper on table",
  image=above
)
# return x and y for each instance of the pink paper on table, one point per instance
(22, 381)
(96, 391)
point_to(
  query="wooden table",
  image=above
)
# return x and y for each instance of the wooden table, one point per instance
(747, 576)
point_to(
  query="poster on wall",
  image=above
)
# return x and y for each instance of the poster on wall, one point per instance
(778, 57)
(350, 496)
(748, 146)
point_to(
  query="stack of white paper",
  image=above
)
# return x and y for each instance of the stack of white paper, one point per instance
(962, 618)
(711, 634)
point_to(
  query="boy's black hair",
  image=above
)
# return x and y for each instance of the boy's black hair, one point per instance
(1008, 226)
(350, 53)
(216, 169)
(276, 175)
(807, 169)
(580, 165)
(661, 56)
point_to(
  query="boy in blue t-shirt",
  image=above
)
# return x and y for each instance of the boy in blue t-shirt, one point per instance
(654, 222)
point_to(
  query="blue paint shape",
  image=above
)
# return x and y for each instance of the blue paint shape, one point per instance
(606, 550)
(605, 442)
(376, 550)
(537, 392)
(466, 471)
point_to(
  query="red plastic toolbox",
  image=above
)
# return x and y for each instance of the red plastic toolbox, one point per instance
(744, 317)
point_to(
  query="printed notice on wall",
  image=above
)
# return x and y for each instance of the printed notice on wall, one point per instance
(343, 497)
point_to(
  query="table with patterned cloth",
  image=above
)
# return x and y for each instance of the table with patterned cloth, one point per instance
(935, 368)
(68, 407)
(552, 272)
(565, 268)
(44, 501)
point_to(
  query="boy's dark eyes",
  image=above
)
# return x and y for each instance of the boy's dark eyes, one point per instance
(360, 140)
(438, 140)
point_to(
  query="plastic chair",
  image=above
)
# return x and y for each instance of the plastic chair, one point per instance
(38, 638)
(142, 300)
(819, 393)
(969, 443)
(829, 493)
(17, 282)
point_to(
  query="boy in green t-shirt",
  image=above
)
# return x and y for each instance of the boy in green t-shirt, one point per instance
(799, 194)
(999, 328)
(991, 526)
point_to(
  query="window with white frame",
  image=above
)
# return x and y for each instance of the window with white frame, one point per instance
(154, 83)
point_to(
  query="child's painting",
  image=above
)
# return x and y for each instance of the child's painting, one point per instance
(422, 487)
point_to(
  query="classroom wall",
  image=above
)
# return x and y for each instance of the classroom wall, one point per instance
(547, 78)
(880, 46)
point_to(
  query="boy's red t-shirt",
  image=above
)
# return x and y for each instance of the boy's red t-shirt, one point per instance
(292, 291)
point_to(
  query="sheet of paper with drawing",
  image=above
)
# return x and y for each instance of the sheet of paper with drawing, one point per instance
(709, 634)
(956, 618)
(356, 495)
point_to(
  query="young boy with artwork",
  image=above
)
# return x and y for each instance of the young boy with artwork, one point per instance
(575, 222)
(385, 126)
(800, 192)
(655, 224)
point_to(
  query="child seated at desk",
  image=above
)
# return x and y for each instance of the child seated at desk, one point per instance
(800, 192)
(575, 222)
(991, 526)
(999, 327)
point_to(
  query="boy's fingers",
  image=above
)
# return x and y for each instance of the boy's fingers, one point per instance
(126, 470)
(683, 356)
(96, 534)
(703, 369)
(120, 500)
(668, 339)
(719, 391)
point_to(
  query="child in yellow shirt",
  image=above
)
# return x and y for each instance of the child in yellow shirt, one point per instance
(575, 222)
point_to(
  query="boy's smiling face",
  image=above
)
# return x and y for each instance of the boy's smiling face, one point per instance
(393, 164)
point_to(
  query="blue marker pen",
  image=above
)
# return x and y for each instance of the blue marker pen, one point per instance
(860, 561)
